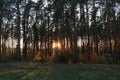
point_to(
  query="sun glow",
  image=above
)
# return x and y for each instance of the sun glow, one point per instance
(57, 45)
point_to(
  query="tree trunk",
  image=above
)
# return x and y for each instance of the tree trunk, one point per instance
(88, 45)
(75, 50)
(18, 28)
(97, 45)
(48, 38)
(12, 38)
(24, 34)
(109, 29)
(0, 35)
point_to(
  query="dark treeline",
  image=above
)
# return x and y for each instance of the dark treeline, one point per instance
(67, 31)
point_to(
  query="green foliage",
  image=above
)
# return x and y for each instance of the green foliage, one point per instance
(63, 58)
(43, 60)
(30, 55)
(60, 59)
(10, 56)
(102, 60)
(7, 58)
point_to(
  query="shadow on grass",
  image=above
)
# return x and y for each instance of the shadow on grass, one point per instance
(59, 72)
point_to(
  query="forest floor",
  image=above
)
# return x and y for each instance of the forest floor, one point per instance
(36, 71)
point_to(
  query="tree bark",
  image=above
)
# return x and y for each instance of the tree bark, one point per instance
(0, 35)
(48, 38)
(109, 29)
(24, 33)
(88, 45)
(18, 28)
(75, 50)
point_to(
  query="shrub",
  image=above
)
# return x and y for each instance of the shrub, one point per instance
(63, 58)
(37, 58)
(30, 56)
(6, 60)
(101, 60)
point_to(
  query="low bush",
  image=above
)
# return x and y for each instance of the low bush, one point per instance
(63, 58)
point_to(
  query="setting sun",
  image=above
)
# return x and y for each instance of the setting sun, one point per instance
(57, 45)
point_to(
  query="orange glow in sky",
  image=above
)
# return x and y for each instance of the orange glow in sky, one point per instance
(57, 45)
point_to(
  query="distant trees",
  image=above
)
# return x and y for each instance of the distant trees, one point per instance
(4, 27)
(85, 29)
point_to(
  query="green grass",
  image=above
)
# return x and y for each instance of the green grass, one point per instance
(28, 71)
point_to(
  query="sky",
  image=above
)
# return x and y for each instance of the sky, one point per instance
(35, 0)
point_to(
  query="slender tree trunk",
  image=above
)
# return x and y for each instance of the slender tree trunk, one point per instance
(67, 42)
(24, 34)
(12, 39)
(51, 42)
(64, 46)
(41, 43)
(45, 44)
(88, 45)
(109, 29)
(48, 38)
(96, 44)
(95, 25)
(36, 37)
(116, 35)
(1, 21)
(18, 28)
(75, 50)
(0, 35)
(110, 46)
(75, 46)
(3, 45)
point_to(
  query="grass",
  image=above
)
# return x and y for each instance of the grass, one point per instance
(31, 71)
